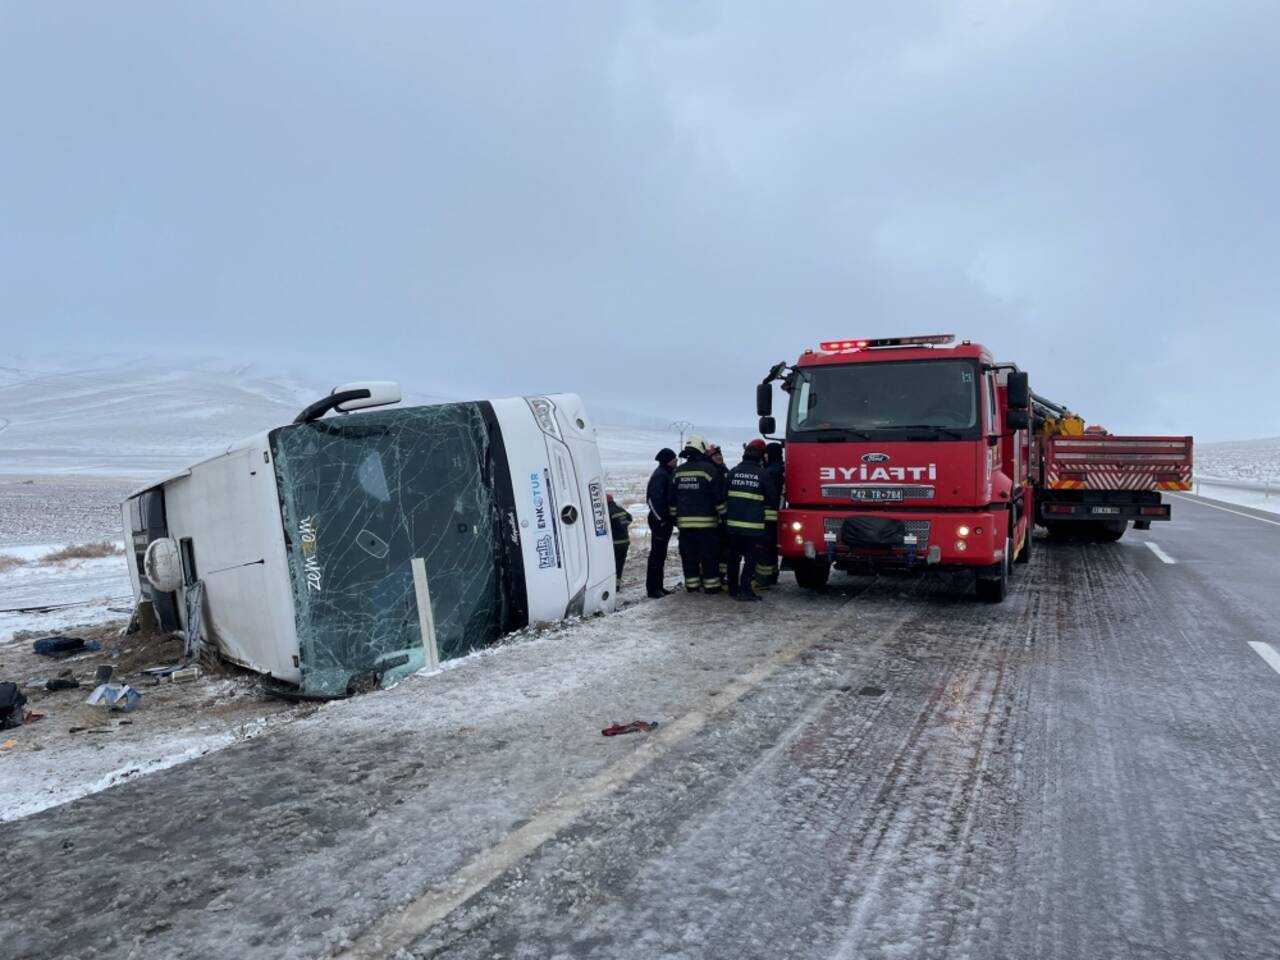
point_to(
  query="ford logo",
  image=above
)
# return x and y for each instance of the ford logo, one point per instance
(875, 458)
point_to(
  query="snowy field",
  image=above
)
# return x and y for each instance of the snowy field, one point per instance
(1257, 460)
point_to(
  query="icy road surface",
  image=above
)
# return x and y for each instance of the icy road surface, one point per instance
(1090, 770)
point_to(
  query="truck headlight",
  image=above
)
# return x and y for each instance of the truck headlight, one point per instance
(962, 531)
(797, 526)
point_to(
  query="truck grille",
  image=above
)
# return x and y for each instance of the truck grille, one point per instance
(831, 533)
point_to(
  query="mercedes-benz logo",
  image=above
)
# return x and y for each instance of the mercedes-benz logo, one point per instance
(569, 514)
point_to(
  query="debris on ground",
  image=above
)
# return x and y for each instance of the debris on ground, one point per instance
(12, 701)
(635, 726)
(57, 646)
(115, 696)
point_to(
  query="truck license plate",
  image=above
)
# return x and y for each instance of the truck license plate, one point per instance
(1106, 510)
(878, 494)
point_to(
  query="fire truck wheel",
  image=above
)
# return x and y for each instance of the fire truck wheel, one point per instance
(1025, 555)
(993, 589)
(813, 574)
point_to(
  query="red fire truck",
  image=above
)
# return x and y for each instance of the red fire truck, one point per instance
(921, 453)
(908, 452)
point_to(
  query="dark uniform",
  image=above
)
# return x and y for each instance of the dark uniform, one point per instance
(750, 489)
(619, 521)
(722, 547)
(767, 568)
(661, 498)
(699, 506)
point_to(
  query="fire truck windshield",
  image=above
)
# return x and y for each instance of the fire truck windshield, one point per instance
(932, 398)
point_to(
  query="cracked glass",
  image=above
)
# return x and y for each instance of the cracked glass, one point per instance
(361, 497)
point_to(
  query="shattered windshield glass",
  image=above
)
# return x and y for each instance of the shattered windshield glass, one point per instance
(361, 497)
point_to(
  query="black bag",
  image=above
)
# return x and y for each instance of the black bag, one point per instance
(864, 531)
(11, 702)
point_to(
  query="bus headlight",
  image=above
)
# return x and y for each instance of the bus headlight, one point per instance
(544, 411)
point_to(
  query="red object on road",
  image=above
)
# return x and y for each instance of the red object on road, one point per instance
(635, 726)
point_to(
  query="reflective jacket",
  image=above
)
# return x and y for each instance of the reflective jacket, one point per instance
(774, 471)
(699, 494)
(619, 520)
(661, 496)
(751, 489)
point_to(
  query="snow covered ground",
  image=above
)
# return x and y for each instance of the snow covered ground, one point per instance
(1225, 493)
(1240, 460)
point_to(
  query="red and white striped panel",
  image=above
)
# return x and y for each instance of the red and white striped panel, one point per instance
(1117, 477)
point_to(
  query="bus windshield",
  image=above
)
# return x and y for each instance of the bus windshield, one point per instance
(361, 497)
(929, 397)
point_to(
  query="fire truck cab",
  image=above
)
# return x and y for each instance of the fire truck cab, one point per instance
(907, 453)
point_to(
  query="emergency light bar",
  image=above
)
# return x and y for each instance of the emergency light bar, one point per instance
(836, 346)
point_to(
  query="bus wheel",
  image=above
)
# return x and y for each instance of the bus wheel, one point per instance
(993, 589)
(813, 574)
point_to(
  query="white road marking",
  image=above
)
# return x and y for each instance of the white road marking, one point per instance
(1267, 652)
(1214, 506)
(400, 928)
(1155, 548)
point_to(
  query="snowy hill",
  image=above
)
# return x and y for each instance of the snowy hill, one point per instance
(140, 420)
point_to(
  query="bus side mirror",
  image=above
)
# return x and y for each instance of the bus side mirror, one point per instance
(1016, 419)
(764, 399)
(1018, 391)
(767, 426)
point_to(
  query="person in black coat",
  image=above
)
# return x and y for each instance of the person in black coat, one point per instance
(767, 568)
(750, 488)
(661, 498)
(619, 522)
(700, 506)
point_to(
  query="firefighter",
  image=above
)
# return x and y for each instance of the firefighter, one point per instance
(750, 488)
(722, 547)
(661, 498)
(700, 503)
(619, 521)
(767, 568)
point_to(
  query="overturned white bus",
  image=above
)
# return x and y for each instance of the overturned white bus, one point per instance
(341, 552)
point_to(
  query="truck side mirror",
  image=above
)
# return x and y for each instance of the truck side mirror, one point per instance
(1018, 391)
(764, 399)
(1016, 419)
(767, 426)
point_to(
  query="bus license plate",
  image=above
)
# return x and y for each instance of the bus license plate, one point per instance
(878, 494)
(1107, 510)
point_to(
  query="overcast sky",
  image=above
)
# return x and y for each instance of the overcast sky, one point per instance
(651, 203)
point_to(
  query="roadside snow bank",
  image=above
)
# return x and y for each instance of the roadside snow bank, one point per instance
(45, 595)
(1257, 499)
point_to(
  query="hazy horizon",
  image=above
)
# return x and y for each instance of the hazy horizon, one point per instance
(651, 204)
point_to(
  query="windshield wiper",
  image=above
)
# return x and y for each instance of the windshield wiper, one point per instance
(949, 431)
(833, 434)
